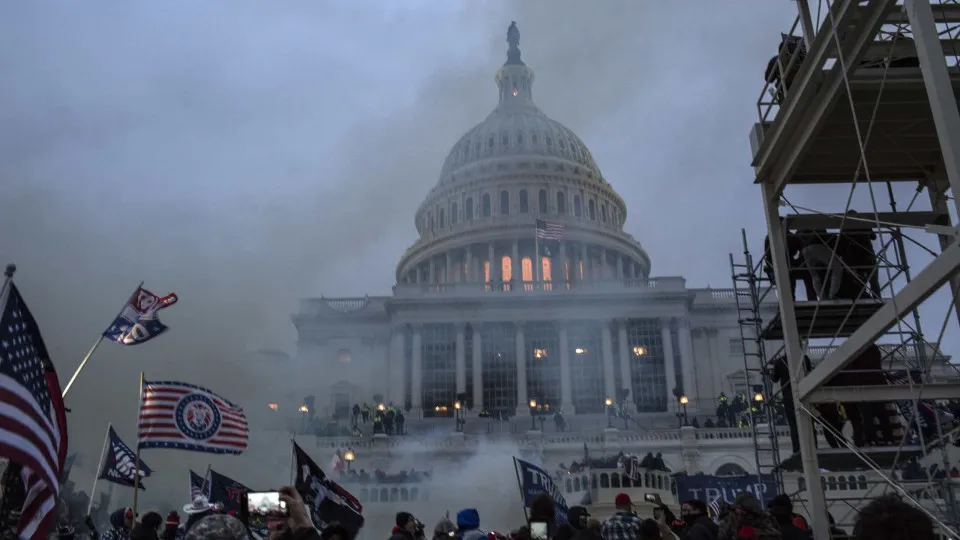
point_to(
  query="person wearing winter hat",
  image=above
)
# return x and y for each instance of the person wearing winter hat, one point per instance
(170, 526)
(468, 522)
(218, 527)
(408, 528)
(119, 530)
(781, 508)
(624, 523)
(445, 530)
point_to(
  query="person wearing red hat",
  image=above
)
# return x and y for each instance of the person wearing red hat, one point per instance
(624, 525)
(170, 526)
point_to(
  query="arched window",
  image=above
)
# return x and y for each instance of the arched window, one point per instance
(506, 269)
(453, 214)
(504, 203)
(731, 469)
(603, 213)
(469, 208)
(592, 210)
(443, 218)
(577, 206)
(524, 204)
(485, 211)
(561, 203)
(542, 201)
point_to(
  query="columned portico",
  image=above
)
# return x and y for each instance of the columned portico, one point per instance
(520, 341)
(461, 359)
(416, 385)
(477, 367)
(666, 337)
(606, 345)
(626, 374)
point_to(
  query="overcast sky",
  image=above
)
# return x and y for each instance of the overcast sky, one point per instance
(247, 154)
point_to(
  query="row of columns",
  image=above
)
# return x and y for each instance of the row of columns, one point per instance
(397, 373)
(446, 268)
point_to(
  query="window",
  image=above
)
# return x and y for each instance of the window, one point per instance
(586, 367)
(736, 346)
(443, 220)
(453, 214)
(469, 209)
(592, 210)
(506, 269)
(542, 346)
(542, 201)
(504, 203)
(498, 357)
(524, 205)
(485, 211)
(504, 140)
(561, 203)
(549, 140)
(603, 213)
(526, 269)
(648, 376)
(439, 385)
(731, 469)
(344, 357)
(490, 142)
(520, 138)
(534, 138)
(577, 206)
(563, 145)
(486, 271)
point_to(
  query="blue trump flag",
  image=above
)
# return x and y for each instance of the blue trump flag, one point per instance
(534, 481)
(138, 321)
(708, 488)
(119, 463)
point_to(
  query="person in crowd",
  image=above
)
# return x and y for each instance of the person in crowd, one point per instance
(747, 514)
(446, 530)
(890, 518)
(794, 245)
(121, 522)
(196, 510)
(559, 422)
(219, 527)
(779, 372)
(365, 413)
(408, 527)
(170, 526)
(781, 508)
(147, 528)
(543, 508)
(825, 265)
(856, 244)
(579, 518)
(650, 530)
(468, 524)
(65, 531)
(697, 524)
(624, 524)
(335, 531)
(399, 419)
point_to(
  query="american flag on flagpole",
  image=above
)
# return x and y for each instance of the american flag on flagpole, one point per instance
(550, 230)
(189, 417)
(33, 426)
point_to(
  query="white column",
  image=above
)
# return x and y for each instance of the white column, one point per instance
(563, 268)
(585, 260)
(626, 357)
(520, 350)
(516, 267)
(433, 271)
(566, 388)
(477, 368)
(447, 268)
(416, 376)
(461, 355)
(666, 337)
(609, 380)
(494, 272)
(398, 369)
(686, 361)
(469, 277)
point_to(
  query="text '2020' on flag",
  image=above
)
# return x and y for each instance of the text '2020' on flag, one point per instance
(138, 321)
(326, 499)
(33, 420)
(536, 481)
(189, 417)
(120, 463)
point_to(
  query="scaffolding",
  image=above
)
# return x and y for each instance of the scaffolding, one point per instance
(865, 98)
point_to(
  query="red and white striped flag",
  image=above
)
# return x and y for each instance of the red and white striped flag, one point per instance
(189, 417)
(33, 420)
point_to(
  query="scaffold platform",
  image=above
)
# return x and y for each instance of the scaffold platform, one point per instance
(842, 459)
(826, 319)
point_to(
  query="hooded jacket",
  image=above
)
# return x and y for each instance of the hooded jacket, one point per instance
(747, 512)
(118, 527)
(468, 522)
(702, 528)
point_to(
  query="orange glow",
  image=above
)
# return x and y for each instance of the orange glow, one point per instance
(273, 406)
(566, 270)
(527, 269)
(506, 269)
(580, 265)
(547, 269)
(486, 271)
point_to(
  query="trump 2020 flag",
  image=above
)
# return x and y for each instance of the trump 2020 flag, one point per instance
(326, 499)
(536, 481)
(138, 322)
(120, 463)
(190, 417)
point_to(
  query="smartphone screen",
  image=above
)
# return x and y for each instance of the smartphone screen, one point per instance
(650, 497)
(538, 530)
(261, 507)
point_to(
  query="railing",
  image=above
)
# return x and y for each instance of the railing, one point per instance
(417, 290)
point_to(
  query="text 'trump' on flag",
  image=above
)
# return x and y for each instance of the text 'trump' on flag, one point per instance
(33, 420)
(189, 417)
(138, 321)
(120, 463)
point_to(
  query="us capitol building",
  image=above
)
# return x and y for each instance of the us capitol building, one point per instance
(478, 317)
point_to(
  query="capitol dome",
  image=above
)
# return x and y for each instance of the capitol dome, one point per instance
(514, 170)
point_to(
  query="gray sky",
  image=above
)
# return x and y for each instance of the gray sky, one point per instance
(246, 154)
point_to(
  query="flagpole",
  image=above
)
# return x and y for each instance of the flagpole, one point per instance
(207, 484)
(536, 247)
(523, 499)
(103, 451)
(87, 358)
(136, 470)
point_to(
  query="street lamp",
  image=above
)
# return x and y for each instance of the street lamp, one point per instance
(609, 403)
(457, 411)
(683, 402)
(533, 414)
(349, 456)
(381, 407)
(758, 397)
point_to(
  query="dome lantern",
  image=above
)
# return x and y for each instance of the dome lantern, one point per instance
(514, 79)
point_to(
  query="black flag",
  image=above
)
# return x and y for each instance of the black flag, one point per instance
(119, 464)
(327, 500)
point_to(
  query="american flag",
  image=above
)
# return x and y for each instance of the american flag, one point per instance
(33, 422)
(550, 230)
(189, 417)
